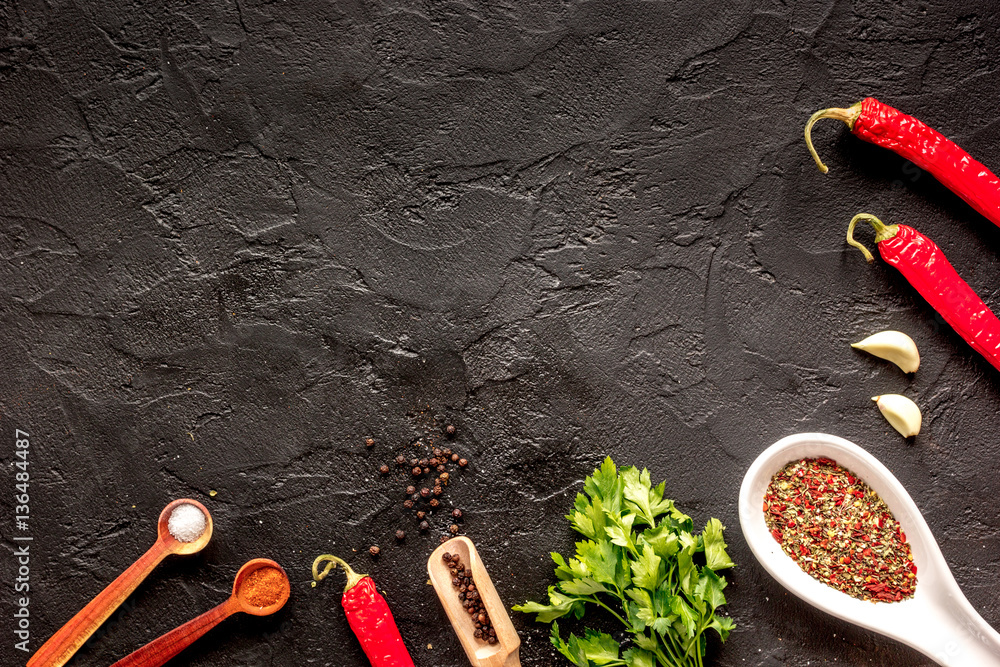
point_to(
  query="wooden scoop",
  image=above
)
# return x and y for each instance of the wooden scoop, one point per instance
(63, 644)
(505, 652)
(165, 647)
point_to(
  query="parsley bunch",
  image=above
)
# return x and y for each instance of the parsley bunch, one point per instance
(642, 563)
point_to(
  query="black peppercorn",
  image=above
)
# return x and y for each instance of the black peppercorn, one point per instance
(370, 442)
(384, 469)
(434, 502)
(408, 504)
(374, 551)
(450, 430)
(422, 463)
(416, 471)
(437, 452)
(400, 535)
(421, 515)
(444, 477)
(463, 462)
(446, 452)
(414, 462)
(432, 462)
(426, 471)
(437, 491)
(410, 490)
(446, 557)
(441, 468)
(401, 460)
(453, 528)
(425, 492)
(454, 457)
(424, 526)
(456, 513)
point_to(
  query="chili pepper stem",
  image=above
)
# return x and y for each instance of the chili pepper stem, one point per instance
(848, 116)
(331, 562)
(883, 232)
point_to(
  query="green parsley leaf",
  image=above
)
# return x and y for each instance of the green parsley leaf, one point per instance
(585, 586)
(685, 616)
(635, 657)
(646, 570)
(710, 587)
(599, 647)
(723, 625)
(715, 547)
(600, 560)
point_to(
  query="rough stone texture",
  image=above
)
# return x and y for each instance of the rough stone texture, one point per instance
(238, 238)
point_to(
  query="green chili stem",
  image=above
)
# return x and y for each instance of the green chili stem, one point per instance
(331, 562)
(883, 232)
(848, 116)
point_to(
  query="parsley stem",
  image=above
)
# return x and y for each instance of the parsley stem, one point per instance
(675, 649)
(672, 660)
(595, 600)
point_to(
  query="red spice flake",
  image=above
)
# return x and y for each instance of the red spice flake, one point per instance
(846, 537)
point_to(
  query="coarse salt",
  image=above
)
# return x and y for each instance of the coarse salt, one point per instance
(186, 523)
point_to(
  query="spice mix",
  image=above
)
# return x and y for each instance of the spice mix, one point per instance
(839, 531)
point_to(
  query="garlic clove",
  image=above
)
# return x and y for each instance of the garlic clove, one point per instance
(894, 346)
(902, 413)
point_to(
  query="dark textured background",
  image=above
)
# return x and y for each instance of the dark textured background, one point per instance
(238, 238)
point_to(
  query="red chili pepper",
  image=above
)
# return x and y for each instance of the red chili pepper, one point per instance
(368, 615)
(928, 270)
(925, 147)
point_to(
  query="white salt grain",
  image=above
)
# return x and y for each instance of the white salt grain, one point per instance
(186, 523)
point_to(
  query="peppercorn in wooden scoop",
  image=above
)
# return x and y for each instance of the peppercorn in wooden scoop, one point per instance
(261, 588)
(466, 591)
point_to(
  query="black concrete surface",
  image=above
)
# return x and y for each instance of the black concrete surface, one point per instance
(239, 238)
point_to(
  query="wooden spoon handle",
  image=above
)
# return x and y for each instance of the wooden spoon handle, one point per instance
(61, 646)
(165, 647)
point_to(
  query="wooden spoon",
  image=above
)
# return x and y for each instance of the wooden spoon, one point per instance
(63, 644)
(165, 647)
(505, 652)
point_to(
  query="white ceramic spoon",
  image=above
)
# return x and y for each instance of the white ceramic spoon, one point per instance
(937, 621)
